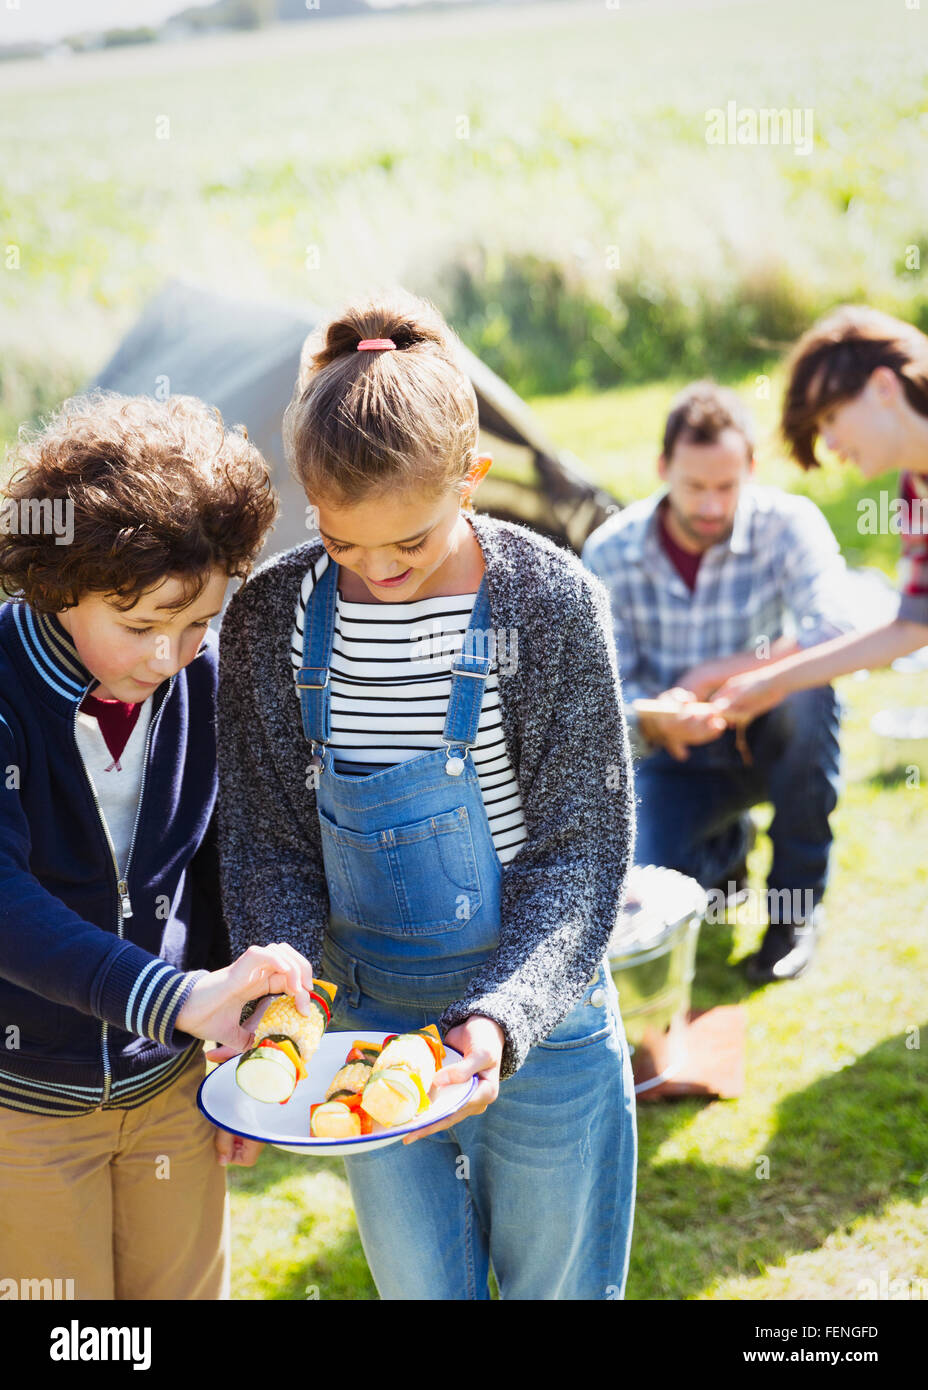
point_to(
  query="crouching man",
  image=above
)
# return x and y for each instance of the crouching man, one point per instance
(704, 576)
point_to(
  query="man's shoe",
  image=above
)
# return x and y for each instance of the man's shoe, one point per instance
(786, 951)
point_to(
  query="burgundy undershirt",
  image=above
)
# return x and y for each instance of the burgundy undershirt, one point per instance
(686, 561)
(116, 720)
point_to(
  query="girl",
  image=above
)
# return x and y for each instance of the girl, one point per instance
(425, 788)
(858, 378)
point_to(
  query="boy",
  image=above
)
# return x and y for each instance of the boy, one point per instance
(113, 946)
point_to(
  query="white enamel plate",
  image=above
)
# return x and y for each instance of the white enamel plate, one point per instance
(223, 1102)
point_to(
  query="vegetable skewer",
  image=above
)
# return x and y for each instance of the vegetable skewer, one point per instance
(402, 1076)
(339, 1116)
(285, 1040)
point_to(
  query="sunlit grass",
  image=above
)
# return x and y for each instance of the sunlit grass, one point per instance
(553, 191)
(570, 155)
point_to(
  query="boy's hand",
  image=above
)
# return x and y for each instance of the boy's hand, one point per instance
(214, 1005)
(480, 1041)
(233, 1148)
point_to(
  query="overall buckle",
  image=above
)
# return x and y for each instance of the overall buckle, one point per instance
(303, 684)
(454, 763)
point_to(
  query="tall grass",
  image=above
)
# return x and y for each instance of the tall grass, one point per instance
(549, 183)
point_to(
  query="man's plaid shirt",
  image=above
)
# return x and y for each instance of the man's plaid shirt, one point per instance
(780, 569)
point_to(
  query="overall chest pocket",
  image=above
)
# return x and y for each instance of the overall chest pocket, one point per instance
(410, 880)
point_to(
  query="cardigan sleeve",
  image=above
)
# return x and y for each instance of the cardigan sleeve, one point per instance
(561, 894)
(273, 887)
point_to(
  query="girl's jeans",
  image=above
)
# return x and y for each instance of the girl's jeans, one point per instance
(541, 1184)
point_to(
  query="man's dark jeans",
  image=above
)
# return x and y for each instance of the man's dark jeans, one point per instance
(692, 814)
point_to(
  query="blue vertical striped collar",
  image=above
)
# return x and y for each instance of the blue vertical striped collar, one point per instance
(54, 657)
(52, 652)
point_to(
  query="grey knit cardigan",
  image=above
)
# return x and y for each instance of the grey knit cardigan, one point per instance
(565, 733)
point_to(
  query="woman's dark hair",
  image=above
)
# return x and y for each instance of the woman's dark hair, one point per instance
(832, 363)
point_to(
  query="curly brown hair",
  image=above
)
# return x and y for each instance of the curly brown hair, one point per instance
(361, 423)
(153, 489)
(832, 362)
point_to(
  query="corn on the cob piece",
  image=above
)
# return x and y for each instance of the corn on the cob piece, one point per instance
(284, 1042)
(351, 1078)
(283, 1019)
(339, 1116)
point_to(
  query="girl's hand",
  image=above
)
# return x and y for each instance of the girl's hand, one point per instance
(743, 698)
(480, 1041)
(214, 1005)
(233, 1148)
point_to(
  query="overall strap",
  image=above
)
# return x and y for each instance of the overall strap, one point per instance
(469, 670)
(313, 676)
(469, 673)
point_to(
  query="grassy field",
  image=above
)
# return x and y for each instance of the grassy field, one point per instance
(546, 178)
(544, 173)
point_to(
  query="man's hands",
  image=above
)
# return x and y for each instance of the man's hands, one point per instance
(729, 691)
(677, 719)
(214, 1005)
(480, 1041)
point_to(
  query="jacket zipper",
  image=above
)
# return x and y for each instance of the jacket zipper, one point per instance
(124, 906)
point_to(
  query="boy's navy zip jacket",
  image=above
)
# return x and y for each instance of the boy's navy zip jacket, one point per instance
(94, 972)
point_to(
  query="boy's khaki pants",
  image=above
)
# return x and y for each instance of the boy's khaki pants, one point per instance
(126, 1204)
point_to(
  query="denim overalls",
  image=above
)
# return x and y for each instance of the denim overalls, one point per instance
(543, 1182)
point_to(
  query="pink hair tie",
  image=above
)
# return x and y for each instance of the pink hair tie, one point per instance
(376, 343)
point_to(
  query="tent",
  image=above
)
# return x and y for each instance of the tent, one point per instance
(242, 357)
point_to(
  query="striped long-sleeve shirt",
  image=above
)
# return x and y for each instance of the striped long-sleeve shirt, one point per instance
(390, 681)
